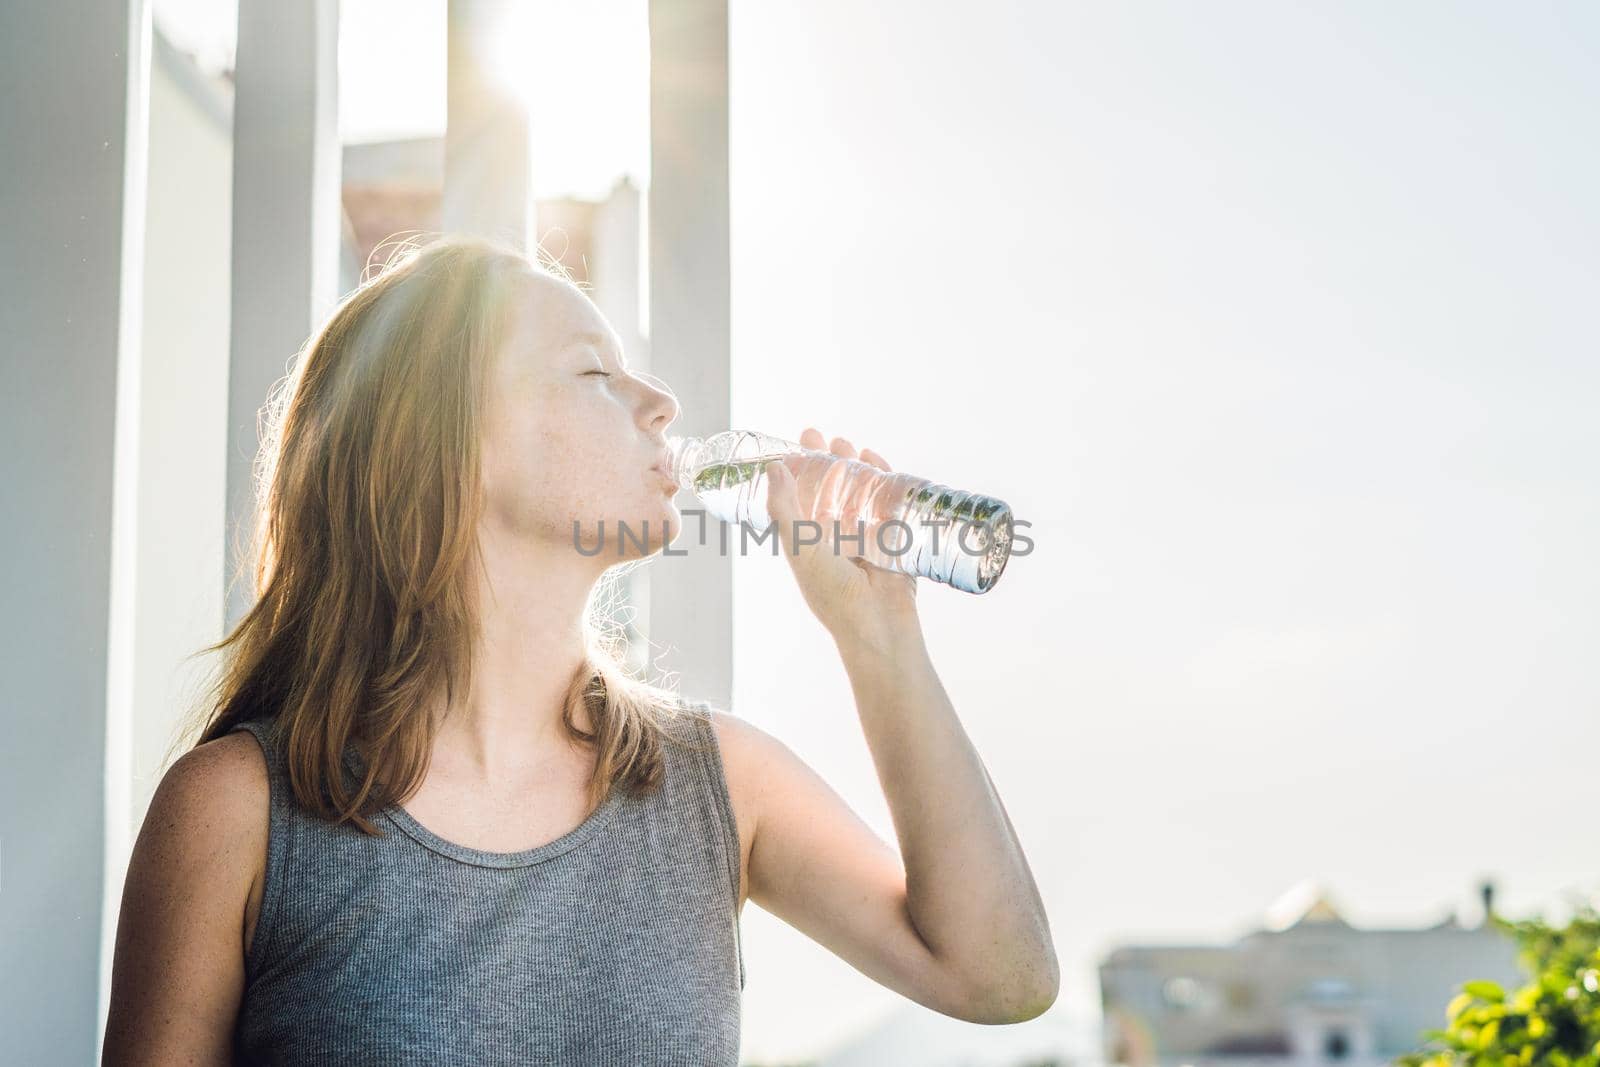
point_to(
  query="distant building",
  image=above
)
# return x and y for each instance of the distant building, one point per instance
(1309, 989)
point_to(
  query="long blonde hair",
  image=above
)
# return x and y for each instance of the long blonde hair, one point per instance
(368, 498)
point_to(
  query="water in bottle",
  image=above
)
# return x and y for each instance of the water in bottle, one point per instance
(906, 523)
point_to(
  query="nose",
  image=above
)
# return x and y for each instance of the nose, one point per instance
(659, 408)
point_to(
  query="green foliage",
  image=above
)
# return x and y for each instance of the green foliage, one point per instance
(1552, 1021)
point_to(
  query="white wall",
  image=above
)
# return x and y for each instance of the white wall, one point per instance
(180, 449)
(71, 121)
(183, 408)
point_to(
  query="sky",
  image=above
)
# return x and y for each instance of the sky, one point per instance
(1276, 321)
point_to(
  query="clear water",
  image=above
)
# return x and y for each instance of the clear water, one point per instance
(948, 535)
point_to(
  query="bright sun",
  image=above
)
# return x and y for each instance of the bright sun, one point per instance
(584, 72)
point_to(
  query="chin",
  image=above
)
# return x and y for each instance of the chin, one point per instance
(657, 525)
(672, 526)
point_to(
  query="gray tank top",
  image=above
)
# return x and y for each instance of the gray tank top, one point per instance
(616, 943)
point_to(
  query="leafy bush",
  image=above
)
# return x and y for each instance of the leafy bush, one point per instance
(1552, 1021)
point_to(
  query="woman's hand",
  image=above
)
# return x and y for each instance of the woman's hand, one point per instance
(853, 599)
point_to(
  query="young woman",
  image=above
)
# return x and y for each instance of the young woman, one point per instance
(431, 819)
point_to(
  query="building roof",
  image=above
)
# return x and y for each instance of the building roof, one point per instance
(1307, 902)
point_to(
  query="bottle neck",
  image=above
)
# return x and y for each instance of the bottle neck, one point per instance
(686, 454)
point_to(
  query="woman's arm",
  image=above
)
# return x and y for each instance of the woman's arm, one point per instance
(178, 972)
(955, 921)
(969, 890)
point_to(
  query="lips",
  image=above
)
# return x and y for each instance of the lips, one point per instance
(668, 482)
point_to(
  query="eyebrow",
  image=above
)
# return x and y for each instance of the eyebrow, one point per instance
(597, 340)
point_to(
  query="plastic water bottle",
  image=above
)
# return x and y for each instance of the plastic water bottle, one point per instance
(905, 523)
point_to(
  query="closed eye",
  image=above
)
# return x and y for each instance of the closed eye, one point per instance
(605, 374)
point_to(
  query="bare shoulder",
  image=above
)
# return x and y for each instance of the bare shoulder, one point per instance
(222, 784)
(192, 885)
(209, 816)
(747, 753)
(749, 757)
(207, 828)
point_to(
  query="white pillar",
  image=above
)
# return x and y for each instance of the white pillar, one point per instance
(285, 228)
(691, 597)
(486, 163)
(73, 91)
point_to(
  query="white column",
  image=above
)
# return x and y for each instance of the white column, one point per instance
(73, 91)
(486, 175)
(285, 228)
(691, 597)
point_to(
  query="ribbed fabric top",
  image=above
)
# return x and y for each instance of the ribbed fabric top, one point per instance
(616, 943)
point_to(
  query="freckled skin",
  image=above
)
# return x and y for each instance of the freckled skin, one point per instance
(562, 443)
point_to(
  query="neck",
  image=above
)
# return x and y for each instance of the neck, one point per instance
(530, 602)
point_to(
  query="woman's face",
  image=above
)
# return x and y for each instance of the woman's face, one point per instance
(571, 435)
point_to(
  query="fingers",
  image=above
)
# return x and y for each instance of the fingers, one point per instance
(811, 437)
(783, 507)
